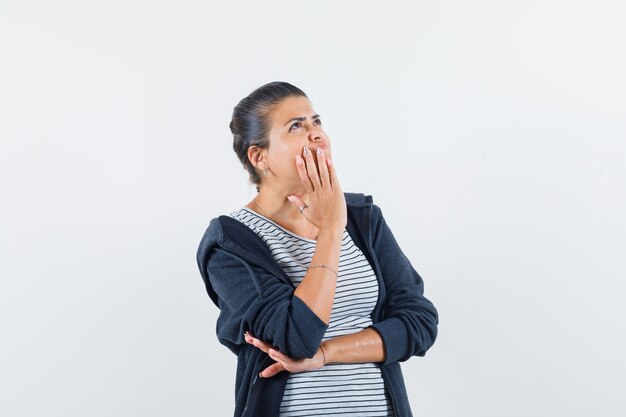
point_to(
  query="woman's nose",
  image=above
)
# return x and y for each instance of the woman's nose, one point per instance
(315, 135)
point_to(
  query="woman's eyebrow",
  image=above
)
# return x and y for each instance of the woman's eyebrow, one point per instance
(301, 119)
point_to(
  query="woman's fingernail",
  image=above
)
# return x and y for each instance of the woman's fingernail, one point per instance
(306, 151)
(319, 151)
(260, 376)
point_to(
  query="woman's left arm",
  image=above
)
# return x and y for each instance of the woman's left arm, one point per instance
(360, 347)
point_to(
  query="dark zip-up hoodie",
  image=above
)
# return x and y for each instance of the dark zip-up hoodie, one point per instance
(254, 294)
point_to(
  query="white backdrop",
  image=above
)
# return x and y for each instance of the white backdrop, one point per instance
(491, 133)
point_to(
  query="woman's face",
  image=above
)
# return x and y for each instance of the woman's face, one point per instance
(294, 125)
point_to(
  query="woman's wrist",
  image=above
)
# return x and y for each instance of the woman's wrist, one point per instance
(326, 351)
(331, 233)
(323, 355)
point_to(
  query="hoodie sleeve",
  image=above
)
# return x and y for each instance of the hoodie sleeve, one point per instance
(410, 320)
(252, 299)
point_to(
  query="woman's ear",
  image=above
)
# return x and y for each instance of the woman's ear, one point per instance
(256, 156)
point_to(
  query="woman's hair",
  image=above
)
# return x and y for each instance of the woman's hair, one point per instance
(250, 122)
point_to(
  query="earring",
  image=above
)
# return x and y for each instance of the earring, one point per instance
(266, 170)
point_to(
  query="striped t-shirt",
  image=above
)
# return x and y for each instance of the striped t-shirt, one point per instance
(335, 389)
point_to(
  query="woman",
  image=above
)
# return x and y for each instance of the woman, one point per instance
(316, 299)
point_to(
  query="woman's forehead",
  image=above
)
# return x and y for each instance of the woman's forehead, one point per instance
(292, 107)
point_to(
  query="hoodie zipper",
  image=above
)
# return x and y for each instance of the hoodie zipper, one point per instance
(264, 363)
(245, 408)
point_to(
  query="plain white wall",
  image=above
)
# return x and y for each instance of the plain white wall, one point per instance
(491, 133)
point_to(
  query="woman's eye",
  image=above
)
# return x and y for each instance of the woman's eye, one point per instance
(317, 121)
(297, 124)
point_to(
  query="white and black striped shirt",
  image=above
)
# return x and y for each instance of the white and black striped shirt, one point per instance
(335, 389)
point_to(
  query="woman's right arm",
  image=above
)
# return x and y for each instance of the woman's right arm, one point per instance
(250, 298)
(326, 209)
(317, 289)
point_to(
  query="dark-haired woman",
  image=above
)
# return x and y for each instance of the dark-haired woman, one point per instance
(316, 299)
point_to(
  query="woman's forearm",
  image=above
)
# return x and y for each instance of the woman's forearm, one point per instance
(360, 347)
(317, 289)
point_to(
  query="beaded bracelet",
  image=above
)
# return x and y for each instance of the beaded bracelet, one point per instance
(324, 266)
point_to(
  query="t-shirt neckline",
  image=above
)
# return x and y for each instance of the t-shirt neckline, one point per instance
(278, 226)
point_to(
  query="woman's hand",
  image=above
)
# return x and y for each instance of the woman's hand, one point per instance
(324, 200)
(284, 362)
